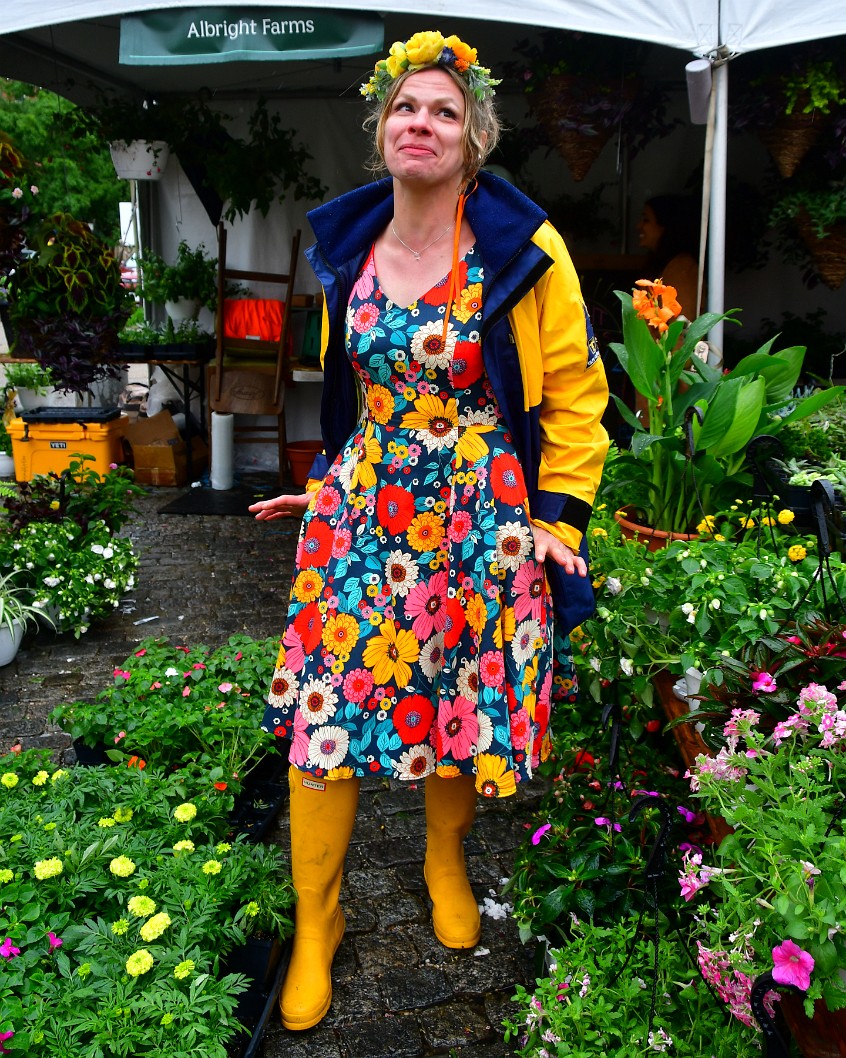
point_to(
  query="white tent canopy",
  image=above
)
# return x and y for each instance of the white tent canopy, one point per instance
(697, 26)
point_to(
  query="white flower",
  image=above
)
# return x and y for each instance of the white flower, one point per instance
(523, 643)
(513, 544)
(763, 614)
(486, 732)
(432, 655)
(17, 193)
(613, 585)
(108, 552)
(627, 666)
(715, 604)
(52, 582)
(401, 573)
(98, 549)
(327, 747)
(171, 671)
(317, 701)
(433, 354)
(467, 680)
(415, 763)
(687, 607)
(691, 617)
(595, 664)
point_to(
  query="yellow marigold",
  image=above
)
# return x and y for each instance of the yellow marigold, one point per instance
(185, 812)
(424, 47)
(184, 846)
(154, 927)
(380, 402)
(796, 553)
(120, 927)
(707, 524)
(60, 773)
(469, 303)
(212, 867)
(122, 866)
(340, 633)
(141, 906)
(106, 821)
(50, 868)
(139, 962)
(464, 55)
(122, 815)
(6, 876)
(599, 531)
(183, 969)
(308, 585)
(9, 780)
(40, 778)
(785, 517)
(747, 523)
(766, 520)
(476, 613)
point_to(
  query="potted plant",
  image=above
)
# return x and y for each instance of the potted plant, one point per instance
(68, 304)
(818, 210)
(775, 888)
(182, 287)
(687, 459)
(30, 382)
(16, 612)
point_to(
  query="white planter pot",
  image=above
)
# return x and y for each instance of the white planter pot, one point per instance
(7, 466)
(692, 681)
(182, 310)
(29, 399)
(10, 642)
(139, 160)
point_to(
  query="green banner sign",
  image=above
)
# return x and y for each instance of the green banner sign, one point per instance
(234, 34)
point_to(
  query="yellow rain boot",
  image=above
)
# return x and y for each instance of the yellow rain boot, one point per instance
(322, 818)
(450, 810)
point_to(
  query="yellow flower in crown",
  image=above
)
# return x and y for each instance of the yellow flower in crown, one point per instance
(424, 47)
(465, 56)
(397, 60)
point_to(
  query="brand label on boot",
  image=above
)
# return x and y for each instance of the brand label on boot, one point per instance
(313, 784)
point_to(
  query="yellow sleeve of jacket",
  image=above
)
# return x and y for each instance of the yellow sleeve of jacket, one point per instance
(565, 378)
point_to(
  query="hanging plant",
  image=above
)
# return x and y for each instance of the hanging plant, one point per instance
(68, 304)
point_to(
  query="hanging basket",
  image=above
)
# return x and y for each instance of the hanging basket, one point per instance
(828, 253)
(560, 101)
(823, 1036)
(794, 135)
(140, 159)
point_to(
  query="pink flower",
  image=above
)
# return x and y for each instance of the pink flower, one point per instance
(140, 653)
(458, 728)
(604, 821)
(155, 686)
(8, 950)
(426, 604)
(119, 736)
(763, 683)
(224, 688)
(186, 691)
(689, 817)
(5, 1036)
(358, 683)
(121, 674)
(792, 965)
(17, 193)
(55, 942)
(530, 588)
(539, 833)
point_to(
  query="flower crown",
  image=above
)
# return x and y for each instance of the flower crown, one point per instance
(430, 48)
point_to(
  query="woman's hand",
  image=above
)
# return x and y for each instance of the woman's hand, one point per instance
(281, 507)
(547, 546)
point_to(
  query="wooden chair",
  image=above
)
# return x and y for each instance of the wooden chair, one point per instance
(250, 374)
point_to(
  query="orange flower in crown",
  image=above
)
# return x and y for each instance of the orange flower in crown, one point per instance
(656, 304)
(465, 56)
(430, 48)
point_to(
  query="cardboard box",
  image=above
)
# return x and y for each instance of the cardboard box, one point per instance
(158, 451)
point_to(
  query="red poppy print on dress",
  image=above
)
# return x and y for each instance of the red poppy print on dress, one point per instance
(413, 718)
(395, 508)
(466, 366)
(439, 294)
(454, 624)
(308, 625)
(507, 479)
(317, 544)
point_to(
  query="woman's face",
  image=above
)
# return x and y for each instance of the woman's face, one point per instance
(649, 231)
(424, 130)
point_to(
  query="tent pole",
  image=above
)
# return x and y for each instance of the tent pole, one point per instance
(717, 226)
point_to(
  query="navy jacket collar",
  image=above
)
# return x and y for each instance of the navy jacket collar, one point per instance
(502, 218)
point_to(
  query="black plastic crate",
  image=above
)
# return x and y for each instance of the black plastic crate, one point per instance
(62, 416)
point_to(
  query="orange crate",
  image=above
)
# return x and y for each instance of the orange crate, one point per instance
(50, 448)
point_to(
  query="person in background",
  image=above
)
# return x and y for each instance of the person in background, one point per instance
(441, 562)
(669, 232)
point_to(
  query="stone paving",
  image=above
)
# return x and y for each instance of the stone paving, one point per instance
(398, 992)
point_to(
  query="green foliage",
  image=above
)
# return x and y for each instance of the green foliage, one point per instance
(179, 706)
(27, 376)
(820, 86)
(823, 206)
(193, 275)
(587, 1008)
(73, 174)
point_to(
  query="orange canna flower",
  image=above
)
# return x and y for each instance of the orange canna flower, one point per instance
(656, 304)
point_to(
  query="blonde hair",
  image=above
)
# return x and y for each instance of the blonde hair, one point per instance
(480, 134)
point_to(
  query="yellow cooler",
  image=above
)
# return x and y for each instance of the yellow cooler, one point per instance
(48, 440)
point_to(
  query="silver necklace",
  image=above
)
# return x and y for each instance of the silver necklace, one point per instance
(417, 254)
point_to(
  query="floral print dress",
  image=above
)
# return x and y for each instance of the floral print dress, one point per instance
(419, 635)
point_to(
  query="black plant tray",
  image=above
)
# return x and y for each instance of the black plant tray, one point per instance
(265, 962)
(256, 808)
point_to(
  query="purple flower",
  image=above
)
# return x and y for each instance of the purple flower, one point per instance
(539, 833)
(689, 817)
(604, 821)
(8, 950)
(3, 1037)
(55, 942)
(792, 965)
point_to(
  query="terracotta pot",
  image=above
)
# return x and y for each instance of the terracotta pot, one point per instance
(300, 457)
(653, 538)
(823, 1036)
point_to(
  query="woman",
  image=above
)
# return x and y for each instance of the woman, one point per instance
(669, 232)
(462, 388)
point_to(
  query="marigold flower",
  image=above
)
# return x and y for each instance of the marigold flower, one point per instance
(120, 927)
(222, 847)
(154, 927)
(106, 821)
(141, 906)
(6, 876)
(185, 812)
(60, 773)
(84, 970)
(122, 815)
(40, 778)
(139, 963)
(122, 866)
(50, 868)
(252, 909)
(184, 846)
(796, 553)
(212, 867)
(9, 779)
(184, 969)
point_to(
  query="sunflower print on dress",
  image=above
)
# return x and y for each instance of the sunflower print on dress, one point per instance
(419, 636)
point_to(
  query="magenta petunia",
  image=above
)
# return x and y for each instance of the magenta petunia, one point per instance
(55, 942)
(792, 965)
(539, 833)
(763, 683)
(8, 950)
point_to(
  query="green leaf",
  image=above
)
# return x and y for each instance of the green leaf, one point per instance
(731, 421)
(812, 404)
